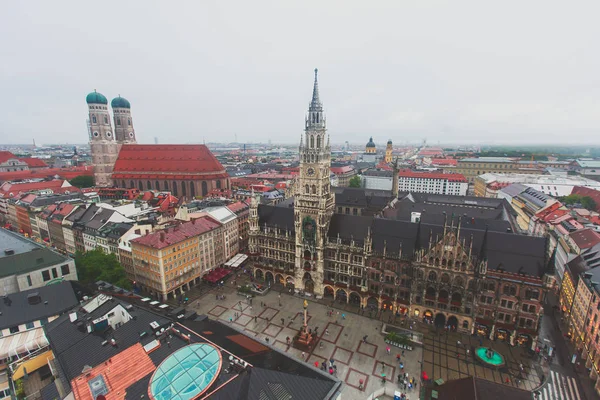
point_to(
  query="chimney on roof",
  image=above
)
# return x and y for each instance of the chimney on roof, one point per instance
(162, 236)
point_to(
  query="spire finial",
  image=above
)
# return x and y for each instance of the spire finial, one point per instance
(315, 104)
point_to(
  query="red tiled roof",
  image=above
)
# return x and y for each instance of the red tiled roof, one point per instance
(119, 372)
(384, 166)
(34, 162)
(583, 191)
(444, 161)
(23, 187)
(238, 206)
(168, 237)
(585, 238)
(5, 156)
(61, 211)
(432, 175)
(65, 173)
(154, 161)
(342, 170)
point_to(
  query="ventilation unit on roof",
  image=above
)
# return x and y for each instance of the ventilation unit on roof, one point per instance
(34, 298)
(73, 316)
(9, 252)
(154, 325)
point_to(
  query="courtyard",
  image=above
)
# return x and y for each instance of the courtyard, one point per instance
(277, 316)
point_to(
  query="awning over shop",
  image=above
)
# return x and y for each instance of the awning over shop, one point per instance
(24, 342)
(33, 364)
(236, 261)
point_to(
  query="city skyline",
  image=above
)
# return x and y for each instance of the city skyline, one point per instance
(392, 71)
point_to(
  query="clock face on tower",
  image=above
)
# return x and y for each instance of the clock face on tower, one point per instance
(310, 171)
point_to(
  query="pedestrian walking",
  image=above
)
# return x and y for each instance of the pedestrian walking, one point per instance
(343, 316)
(327, 332)
(397, 358)
(388, 350)
(255, 319)
(267, 340)
(458, 343)
(320, 344)
(303, 355)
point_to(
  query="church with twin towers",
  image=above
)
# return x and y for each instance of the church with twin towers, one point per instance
(185, 170)
(105, 138)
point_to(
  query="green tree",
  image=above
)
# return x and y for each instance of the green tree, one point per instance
(95, 266)
(586, 201)
(83, 181)
(355, 182)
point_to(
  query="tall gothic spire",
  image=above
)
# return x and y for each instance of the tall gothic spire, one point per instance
(315, 104)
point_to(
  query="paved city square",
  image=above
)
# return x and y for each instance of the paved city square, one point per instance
(275, 317)
(341, 339)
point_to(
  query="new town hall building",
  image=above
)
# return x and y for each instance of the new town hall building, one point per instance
(457, 273)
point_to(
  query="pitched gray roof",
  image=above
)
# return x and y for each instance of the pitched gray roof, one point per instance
(16, 309)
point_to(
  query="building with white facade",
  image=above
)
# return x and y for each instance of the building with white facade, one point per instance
(377, 179)
(432, 182)
(587, 167)
(231, 234)
(488, 185)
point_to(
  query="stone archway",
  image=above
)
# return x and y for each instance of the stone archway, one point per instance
(258, 274)
(341, 296)
(453, 322)
(328, 292)
(373, 303)
(440, 320)
(354, 298)
(269, 277)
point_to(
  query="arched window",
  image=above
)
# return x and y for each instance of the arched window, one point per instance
(123, 184)
(218, 184)
(432, 277)
(131, 184)
(157, 185)
(140, 186)
(166, 186)
(204, 188)
(94, 119)
(312, 142)
(118, 121)
(465, 324)
(318, 142)
(128, 121)
(175, 189)
(307, 189)
(105, 120)
(192, 190)
(459, 282)
(314, 189)
(149, 185)
(445, 278)
(183, 188)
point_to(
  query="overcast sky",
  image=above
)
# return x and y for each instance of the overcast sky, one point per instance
(455, 71)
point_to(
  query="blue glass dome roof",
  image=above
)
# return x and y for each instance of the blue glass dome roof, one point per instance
(186, 373)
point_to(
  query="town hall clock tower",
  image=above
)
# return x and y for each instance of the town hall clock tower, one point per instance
(314, 201)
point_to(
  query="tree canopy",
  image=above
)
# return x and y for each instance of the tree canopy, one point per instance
(95, 266)
(83, 181)
(586, 201)
(355, 182)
